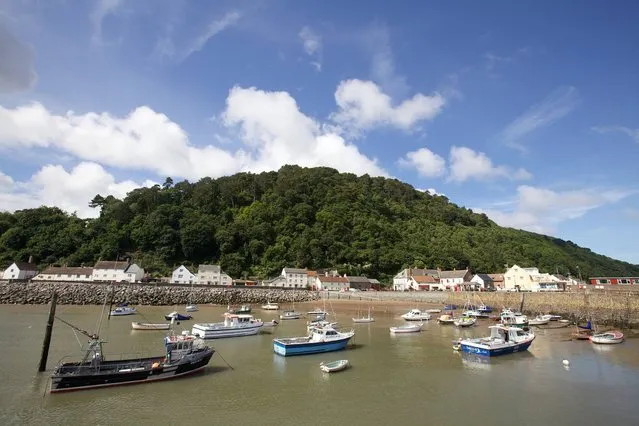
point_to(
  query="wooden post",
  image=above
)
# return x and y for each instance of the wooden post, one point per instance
(47, 335)
(521, 303)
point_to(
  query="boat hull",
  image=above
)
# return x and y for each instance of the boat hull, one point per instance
(149, 326)
(208, 332)
(178, 317)
(502, 350)
(136, 371)
(335, 366)
(363, 320)
(291, 349)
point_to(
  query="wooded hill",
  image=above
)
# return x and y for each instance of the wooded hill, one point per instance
(255, 224)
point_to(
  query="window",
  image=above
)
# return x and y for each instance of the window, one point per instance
(180, 276)
(114, 275)
(624, 281)
(603, 281)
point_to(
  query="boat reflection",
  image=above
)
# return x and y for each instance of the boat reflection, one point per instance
(486, 363)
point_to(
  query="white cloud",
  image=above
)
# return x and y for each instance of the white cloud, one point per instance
(312, 43)
(467, 164)
(363, 106)
(71, 191)
(541, 210)
(102, 9)
(554, 107)
(16, 66)
(633, 133)
(431, 191)
(427, 163)
(273, 129)
(215, 27)
(282, 134)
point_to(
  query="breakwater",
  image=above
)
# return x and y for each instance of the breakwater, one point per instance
(141, 294)
(614, 308)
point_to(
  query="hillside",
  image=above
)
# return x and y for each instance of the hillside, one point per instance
(255, 224)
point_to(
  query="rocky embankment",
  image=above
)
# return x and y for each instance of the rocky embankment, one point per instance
(613, 308)
(140, 294)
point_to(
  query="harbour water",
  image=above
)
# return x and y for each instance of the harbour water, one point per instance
(405, 379)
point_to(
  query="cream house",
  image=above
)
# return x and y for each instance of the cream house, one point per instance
(331, 283)
(20, 271)
(450, 279)
(182, 275)
(403, 280)
(63, 273)
(212, 275)
(529, 279)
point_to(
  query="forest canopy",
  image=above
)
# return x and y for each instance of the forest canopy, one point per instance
(256, 224)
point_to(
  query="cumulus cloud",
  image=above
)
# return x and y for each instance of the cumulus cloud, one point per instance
(466, 164)
(541, 209)
(16, 63)
(71, 191)
(363, 106)
(312, 43)
(273, 129)
(426, 162)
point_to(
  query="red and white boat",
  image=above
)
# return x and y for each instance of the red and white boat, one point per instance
(607, 338)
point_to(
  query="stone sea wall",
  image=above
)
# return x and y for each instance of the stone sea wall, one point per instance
(140, 294)
(615, 308)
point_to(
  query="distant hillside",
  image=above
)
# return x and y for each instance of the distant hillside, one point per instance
(255, 224)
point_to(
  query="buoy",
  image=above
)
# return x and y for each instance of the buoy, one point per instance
(566, 362)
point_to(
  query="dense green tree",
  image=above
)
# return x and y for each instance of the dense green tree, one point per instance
(255, 224)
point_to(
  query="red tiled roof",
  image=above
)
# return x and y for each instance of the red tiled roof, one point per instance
(333, 279)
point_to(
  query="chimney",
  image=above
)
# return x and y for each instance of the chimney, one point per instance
(30, 259)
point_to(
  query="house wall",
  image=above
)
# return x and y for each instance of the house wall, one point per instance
(138, 273)
(109, 275)
(182, 275)
(518, 278)
(294, 279)
(401, 281)
(331, 286)
(63, 277)
(14, 273)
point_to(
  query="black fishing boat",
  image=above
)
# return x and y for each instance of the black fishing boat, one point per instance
(185, 354)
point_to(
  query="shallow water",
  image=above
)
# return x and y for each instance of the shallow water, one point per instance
(409, 379)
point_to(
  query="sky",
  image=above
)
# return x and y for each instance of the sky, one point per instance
(526, 111)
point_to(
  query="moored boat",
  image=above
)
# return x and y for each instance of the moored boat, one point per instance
(408, 328)
(539, 320)
(270, 306)
(191, 308)
(123, 310)
(184, 355)
(433, 311)
(511, 318)
(475, 314)
(416, 315)
(234, 325)
(290, 315)
(502, 340)
(334, 366)
(607, 338)
(446, 319)
(465, 321)
(366, 319)
(551, 317)
(243, 309)
(319, 340)
(310, 325)
(149, 326)
(177, 316)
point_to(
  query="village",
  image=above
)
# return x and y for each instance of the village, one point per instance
(515, 278)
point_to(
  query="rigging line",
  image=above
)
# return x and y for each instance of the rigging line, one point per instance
(99, 321)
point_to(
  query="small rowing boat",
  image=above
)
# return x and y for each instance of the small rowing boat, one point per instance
(410, 328)
(334, 366)
(607, 338)
(149, 326)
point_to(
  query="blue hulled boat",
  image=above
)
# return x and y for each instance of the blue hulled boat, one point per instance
(502, 340)
(319, 340)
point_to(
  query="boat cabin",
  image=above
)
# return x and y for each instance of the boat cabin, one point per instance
(231, 320)
(507, 334)
(177, 346)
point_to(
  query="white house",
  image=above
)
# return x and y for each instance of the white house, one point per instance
(484, 281)
(278, 281)
(331, 283)
(451, 279)
(403, 280)
(212, 275)
(63, 273)
(181, 275)
(294, 277)
(20, 271)
(117, 271)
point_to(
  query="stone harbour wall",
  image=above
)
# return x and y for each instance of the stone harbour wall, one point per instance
(22, 293)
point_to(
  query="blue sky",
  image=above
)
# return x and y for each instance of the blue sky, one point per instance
(524, 110)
